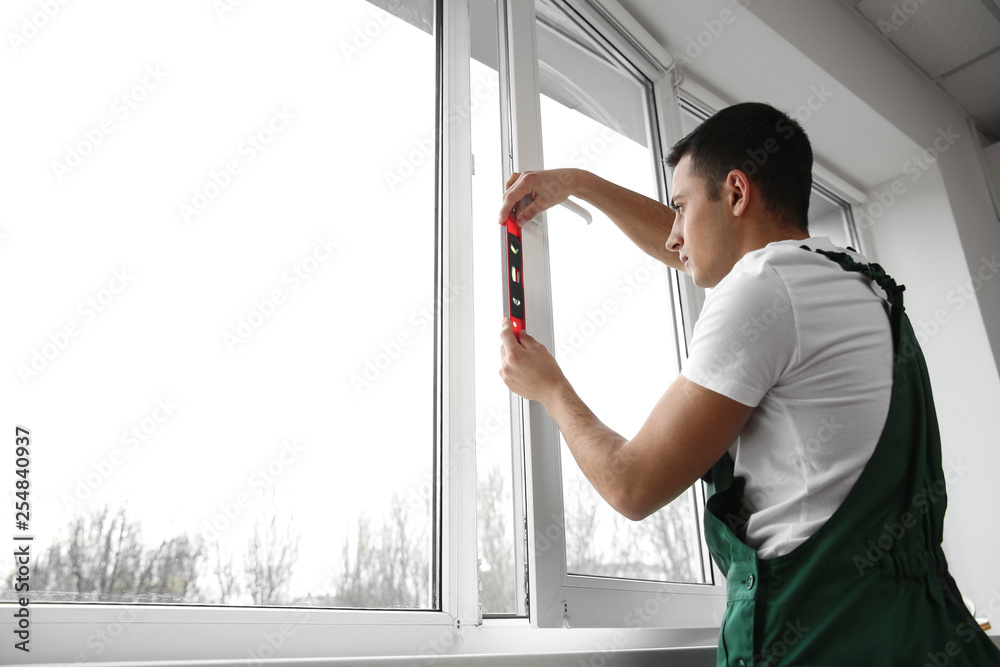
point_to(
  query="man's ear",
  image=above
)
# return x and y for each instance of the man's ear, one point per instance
(738, 190)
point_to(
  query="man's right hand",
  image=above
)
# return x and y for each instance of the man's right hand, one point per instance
(646, 222)
(546, 188)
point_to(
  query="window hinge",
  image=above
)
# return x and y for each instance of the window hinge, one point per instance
(527, 588)
(479, 590)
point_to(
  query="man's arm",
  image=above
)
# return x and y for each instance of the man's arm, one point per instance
(646, 222)
(688, 430)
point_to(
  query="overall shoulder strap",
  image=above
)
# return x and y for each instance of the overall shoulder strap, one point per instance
(877, 274)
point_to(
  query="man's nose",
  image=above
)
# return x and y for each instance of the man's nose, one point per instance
(675, 240)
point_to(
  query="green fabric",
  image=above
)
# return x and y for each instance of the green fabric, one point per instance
(871, 586)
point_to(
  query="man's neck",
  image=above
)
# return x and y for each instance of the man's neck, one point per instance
(762, 236)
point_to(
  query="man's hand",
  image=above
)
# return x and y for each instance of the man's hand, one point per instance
(547, 189)
(646, 222)
(527, 368)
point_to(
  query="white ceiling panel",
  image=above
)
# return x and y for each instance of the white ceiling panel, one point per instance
(937, 35)
(977, 89)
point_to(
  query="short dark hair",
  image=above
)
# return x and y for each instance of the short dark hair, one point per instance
(766, 144)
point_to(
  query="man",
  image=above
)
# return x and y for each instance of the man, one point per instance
(803, 404)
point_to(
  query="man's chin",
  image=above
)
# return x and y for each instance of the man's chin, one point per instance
(702, 282)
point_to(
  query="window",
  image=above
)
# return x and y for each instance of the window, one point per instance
(279, 403)
(211, 341)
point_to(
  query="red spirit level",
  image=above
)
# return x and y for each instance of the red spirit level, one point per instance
(513, 301)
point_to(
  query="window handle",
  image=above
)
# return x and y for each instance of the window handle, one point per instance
(579, 210)
(575, 208)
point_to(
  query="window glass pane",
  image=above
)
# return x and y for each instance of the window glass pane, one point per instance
(220, 256)
(497, 526)
(614, 329)
(826, 218)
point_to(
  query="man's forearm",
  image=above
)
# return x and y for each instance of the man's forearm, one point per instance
(595, 447)
(645, 221)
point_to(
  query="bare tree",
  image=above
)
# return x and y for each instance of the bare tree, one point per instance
(169, 573)
(582, 519)
(388, 569)
(496, 544)
(664, 546)
(674, 536)
(225, 574)
(103, 558)
(272, 552)
(357, 581)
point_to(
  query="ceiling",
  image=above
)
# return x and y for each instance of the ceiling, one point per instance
(955, 43)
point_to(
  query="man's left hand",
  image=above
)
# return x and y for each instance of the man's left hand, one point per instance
(527, 368)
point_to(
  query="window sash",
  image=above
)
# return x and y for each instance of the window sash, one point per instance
(557, 598)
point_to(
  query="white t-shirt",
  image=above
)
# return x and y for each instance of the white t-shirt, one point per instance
(808, 344)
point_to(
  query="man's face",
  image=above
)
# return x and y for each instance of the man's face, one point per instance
(702, 232)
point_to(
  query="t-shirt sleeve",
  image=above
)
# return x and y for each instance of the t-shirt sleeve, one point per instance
(745, 337)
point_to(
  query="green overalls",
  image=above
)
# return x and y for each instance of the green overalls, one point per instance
(871, 586)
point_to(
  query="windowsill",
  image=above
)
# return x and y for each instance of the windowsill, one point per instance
(672, 657)
(63, 634)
